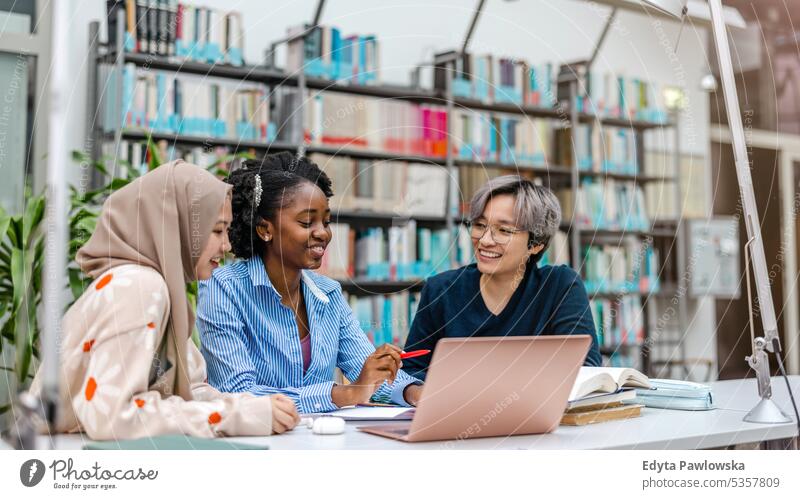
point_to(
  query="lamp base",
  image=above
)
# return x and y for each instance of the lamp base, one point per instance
(767, 412)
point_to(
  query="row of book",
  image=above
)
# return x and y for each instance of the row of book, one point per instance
(481, 136)
(496, 79)
(172, 28)
(557, 252)
(621, 96)
(184, 104)
(396, 253)
(324, 53)
(605, 205)
(394, 126)
(629, 267)
(385, 318)
(618, 321)
(599, 149)
(137, 155)
(395, 188)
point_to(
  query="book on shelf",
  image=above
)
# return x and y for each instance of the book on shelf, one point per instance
(598, 149)
(176, 29)
(557, 252)
(621, 96)
(138, 155)
(469, 180)
(324, 52)
(630, 266)
(605, 204)
(493, 79)
(384, 254)
(397, 188)
(385, 318)
(386, 125)
(618, 322)
(498, 138)
(184, 104)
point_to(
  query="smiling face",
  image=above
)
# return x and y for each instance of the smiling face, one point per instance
(300, 233)
(217, 244)
(494, 258)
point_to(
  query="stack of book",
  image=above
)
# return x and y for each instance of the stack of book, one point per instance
(183, 104)
(394, 126)
(605, 205)
(172, 28)
(628, 267)
(494, 79)
(601, 394)
(324, 53)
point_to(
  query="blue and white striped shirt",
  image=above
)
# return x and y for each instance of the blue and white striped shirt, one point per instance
(251, 343)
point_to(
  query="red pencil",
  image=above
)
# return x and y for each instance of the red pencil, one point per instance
(414, 353)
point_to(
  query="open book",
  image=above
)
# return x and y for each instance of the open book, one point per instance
(606, 380)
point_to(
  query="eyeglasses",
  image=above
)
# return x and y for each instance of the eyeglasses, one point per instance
(501, 234)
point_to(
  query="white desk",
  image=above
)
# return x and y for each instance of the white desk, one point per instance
(655, 429)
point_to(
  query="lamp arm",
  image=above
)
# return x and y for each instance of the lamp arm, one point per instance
(767, 309)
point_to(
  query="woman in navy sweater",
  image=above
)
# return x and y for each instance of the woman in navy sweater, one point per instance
(505, 293)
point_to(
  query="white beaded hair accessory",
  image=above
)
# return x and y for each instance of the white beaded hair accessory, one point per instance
(257, 191)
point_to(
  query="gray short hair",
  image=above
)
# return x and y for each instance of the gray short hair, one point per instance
(536, 209)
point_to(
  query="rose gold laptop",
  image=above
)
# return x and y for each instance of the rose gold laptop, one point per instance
(488, 387)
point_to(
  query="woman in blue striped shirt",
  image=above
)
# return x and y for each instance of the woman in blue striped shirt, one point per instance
(270, 325)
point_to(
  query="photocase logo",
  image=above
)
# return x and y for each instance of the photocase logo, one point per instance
(31, 472)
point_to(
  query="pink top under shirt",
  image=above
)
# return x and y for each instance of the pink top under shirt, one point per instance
(305, 348)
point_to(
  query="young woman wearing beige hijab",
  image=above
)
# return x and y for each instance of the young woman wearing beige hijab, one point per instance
(129, 368)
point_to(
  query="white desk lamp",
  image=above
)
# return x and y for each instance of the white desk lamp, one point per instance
(766, 411)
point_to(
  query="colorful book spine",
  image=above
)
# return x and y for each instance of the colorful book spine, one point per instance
(356, 122)
(385, 318)
(176, 29)
(629, 267)
(182, 104)
(608, 205)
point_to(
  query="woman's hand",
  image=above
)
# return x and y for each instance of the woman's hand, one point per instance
(381, 366)
(284, 413)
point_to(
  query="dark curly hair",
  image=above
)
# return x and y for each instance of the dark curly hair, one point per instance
(281, 174)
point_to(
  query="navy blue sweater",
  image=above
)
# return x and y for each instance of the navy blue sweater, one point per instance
(549, 300)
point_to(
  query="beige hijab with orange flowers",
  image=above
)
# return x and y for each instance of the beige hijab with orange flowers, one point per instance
(161, 220)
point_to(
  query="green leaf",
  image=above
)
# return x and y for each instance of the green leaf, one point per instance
(5, 221)
(155, 155)
(18, 276)
(14, 232)
(34, 214)
(77, 282)
(119, 183)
